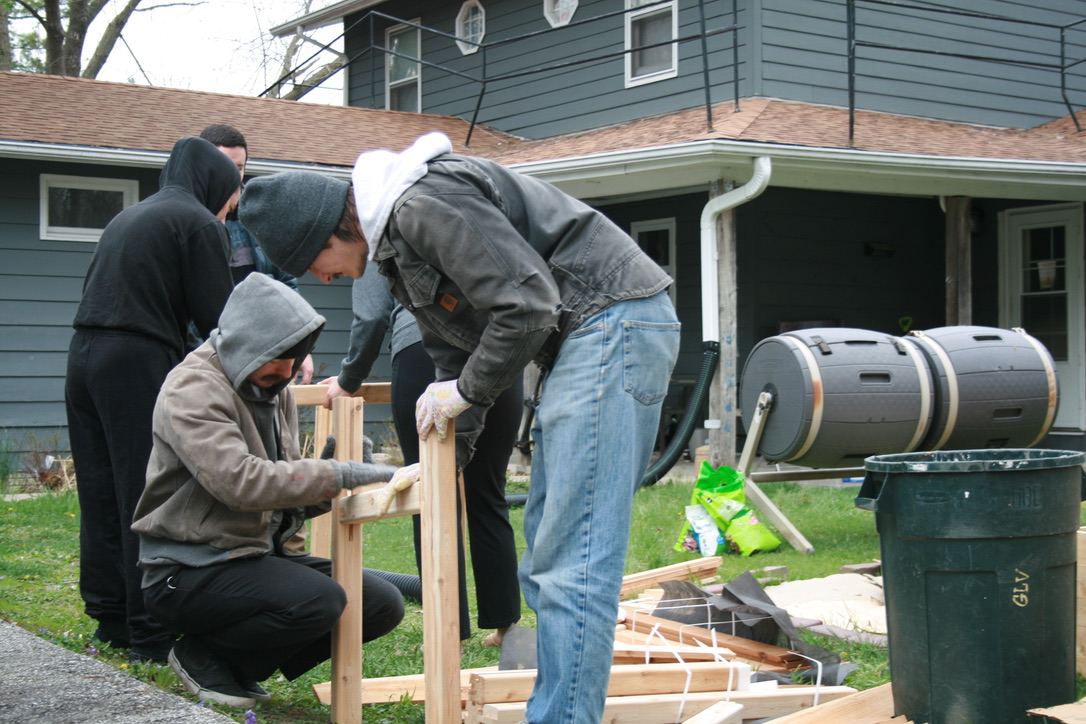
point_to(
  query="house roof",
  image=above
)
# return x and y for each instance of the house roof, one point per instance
(99, 118)
(800, 124)
(50, 109)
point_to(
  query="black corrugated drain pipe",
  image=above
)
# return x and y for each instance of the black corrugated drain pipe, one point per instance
(689, 423)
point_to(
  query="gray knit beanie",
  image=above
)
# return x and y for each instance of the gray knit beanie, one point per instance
(292, 215)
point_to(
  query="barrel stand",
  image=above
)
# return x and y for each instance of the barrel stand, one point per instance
(754, 494)
(340, 538)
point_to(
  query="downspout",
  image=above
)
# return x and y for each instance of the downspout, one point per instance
(710, 312)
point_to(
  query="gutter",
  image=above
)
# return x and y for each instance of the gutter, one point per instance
(143, 159)
(710, 318)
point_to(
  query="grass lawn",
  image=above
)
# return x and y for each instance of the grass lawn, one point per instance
(39, 553)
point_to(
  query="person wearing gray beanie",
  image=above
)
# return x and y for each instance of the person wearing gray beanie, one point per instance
(292, 215)
(502, 269)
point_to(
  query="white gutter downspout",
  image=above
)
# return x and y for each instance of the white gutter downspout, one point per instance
(723, 407)
(710, 281)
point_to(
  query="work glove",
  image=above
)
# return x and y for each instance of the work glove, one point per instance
(438, 404)
(329, 450)
(350, 475)
(403, 479)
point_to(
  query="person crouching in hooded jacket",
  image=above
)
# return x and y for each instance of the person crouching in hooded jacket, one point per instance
(221, 518)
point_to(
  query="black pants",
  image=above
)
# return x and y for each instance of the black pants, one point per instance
(269, 613)
(112, 384)
(493, 546)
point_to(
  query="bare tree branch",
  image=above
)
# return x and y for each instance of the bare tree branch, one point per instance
(109, 39)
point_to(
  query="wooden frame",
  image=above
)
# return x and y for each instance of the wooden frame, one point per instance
(434, 497)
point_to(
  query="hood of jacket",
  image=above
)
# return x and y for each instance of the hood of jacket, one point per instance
(263, 320)
(380, 177)
(201, 169)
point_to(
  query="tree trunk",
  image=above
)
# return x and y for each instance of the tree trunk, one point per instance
(5, 39)
(54, 38)
(109, 39)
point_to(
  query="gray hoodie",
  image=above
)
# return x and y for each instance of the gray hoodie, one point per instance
(226, 478)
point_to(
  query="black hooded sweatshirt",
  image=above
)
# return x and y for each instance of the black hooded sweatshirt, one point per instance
(164, 261)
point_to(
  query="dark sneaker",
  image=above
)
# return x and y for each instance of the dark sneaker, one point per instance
(206, 675)
(113, 632)
(254, 689)
(151, 652)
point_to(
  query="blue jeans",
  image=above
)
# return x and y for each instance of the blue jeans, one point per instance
(594, 434)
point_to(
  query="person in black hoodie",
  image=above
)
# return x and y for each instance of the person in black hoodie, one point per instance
(158, 265)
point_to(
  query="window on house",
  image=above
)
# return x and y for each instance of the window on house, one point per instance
(559, 12)
(648, 24)
(403, 89)
(77, 208)
(470, 26)
(657, 238)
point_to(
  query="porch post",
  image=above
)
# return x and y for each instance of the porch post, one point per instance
(724, 393)
(959, 275)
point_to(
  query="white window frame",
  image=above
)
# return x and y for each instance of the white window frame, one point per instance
(639, 227)
(465, 32)
(635, 13)
(559, 12)
(389, 86)
(128, 188)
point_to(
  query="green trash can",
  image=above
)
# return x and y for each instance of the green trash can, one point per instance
(978, 562)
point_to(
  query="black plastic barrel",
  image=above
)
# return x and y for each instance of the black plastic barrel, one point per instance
(978, 558)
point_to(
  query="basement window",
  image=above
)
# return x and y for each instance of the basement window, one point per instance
(77, 208)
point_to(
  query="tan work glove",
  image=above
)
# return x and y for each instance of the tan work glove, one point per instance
(403, 479)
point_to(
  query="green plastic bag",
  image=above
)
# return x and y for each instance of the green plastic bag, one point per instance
(720, 492)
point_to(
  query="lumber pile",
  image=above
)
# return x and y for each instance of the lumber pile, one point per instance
(663, 672)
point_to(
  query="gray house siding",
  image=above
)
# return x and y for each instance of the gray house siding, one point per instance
(41, 283)
(787, 50)
(546, 103)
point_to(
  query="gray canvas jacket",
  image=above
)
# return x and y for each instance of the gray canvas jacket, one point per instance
(498, 268)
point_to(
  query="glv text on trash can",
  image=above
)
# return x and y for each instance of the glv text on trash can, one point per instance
(978, 558)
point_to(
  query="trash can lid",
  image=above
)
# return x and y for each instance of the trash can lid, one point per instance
(958, 461)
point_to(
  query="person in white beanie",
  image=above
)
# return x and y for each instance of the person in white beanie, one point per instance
(501, 269)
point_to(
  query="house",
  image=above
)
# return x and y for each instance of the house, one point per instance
(899, 165)
(781, 180)
(110, 140)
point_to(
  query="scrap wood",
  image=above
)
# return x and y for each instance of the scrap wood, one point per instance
(1074, 713)
(669, 708)
(388, 689)
(871, 706)
(630, 643)
(511, 686)
(702, 568)
(746, 648)
(722, 712)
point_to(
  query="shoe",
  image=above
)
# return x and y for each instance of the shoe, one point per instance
(206, 675)
(113, 632)
(151, 652)
(254, 689)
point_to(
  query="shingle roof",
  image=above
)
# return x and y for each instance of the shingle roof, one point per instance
(81, 112)
(801, 124)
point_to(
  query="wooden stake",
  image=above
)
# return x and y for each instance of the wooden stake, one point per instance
(347, 571)
(441, 610)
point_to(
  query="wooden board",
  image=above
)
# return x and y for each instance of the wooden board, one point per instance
(667, 708)
(746, 648)
(870, 706)
(390, 689)
(635, 583)
(313, 395)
